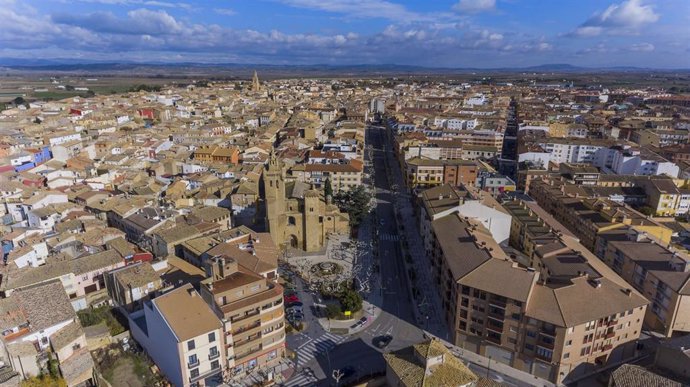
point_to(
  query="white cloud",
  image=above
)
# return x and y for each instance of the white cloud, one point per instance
(587, 32)
(225, 11)
(149, 3)
(357, 8)
(642, 47)
(474, 6)
(619, 19)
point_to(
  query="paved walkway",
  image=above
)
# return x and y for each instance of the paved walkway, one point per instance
(364, 261)
(428, 303)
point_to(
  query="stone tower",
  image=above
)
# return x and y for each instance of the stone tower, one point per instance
(274, 189)
(313, 226)
(256, 86)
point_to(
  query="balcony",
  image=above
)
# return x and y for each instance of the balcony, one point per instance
(607, 347)
(248, 353)
(246, 328)
(212, 356)
(239, 344)
(542, 357)
(193, 364)
(545, 344)
(612, 322)
(495, 314)
(548, 332)
(497, 303)
(610, 335)
(245, 316)
(205, 375)
(494, 339)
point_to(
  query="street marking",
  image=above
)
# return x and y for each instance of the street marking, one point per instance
(301, 381)
(308, 341)
(315, 347)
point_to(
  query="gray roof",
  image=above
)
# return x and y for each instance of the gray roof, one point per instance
(45, 305)
(629, 375)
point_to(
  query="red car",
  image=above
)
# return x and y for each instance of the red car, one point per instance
(291, 299)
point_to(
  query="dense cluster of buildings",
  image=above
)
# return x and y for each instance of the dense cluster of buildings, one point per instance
(553, 220)
(148, 201)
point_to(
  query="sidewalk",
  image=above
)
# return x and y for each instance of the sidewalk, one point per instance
(363, 262)
(428, 309)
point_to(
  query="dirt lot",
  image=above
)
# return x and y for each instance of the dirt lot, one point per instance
(123, 374)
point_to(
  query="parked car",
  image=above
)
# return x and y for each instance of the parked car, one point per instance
(292, 304)
(291, 299)
(359, 323)
(383, 341)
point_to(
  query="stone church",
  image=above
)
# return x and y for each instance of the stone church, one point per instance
(298, 215)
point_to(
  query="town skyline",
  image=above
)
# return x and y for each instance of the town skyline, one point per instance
(482, 34)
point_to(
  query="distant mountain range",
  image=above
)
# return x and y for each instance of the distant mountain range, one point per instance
(76, 65)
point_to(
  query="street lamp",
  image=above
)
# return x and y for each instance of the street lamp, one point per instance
(488, 367)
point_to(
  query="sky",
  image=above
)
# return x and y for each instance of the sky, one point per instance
(432, 33)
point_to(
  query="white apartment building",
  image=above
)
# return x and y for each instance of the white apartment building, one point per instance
(629, 161)
(182, 335)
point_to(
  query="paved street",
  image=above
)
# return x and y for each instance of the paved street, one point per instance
(320, 352)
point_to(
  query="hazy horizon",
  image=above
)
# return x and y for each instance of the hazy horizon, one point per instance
(481, 34)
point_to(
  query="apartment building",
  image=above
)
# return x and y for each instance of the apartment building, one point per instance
(661, 274)
(540, 320)
(573, 150)
(343, 176)
(664, 197)
(428, 173)
(588, 217)
(217, 154)
(251, 310)
(182, 335)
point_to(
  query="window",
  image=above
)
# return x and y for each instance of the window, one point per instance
(191, 345)
(566, 355)
(531, 334)
(212, 337)
(194, 373)
(547, 353)
(529, 347)
(568, 343)
(193, 361)
(585, 351)
(213, 352)
(215, 365)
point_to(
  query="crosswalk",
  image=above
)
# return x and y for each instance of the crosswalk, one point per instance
(389, 237)
(302, 380)
(308, 351)
(315, 347)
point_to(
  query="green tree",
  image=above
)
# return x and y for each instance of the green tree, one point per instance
(19, 101)
(355, 202)
(327, 188)
(332, 310)
(350, 300)
(69, 87)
